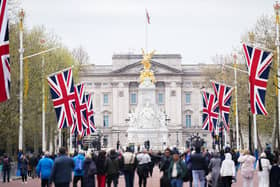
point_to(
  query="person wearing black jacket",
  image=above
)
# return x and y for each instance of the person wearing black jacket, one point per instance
(199, 167)
(102, 168)
(6, 168)
(163, 166)
(113, 168)
(62, 170)
(90, 170)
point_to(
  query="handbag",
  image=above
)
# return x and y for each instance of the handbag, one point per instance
(209, 176)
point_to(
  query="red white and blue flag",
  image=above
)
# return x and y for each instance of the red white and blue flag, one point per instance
(90, 116)
(148, 17)
(5, 75)
(63, 97)
(223, 95)
(258, 62)
(80, 110)
(210, 111)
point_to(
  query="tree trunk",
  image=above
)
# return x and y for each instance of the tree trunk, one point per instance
(241, 138)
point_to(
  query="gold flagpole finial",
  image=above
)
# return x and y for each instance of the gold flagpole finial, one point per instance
(21, 17)
(277, 11)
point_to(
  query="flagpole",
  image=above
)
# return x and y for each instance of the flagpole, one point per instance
(146, 34)
(70, 140)
(59, 138)
(277, 43)
(252, 40)
(255, 132)
(236, 106)
(43, 107)
(21, 50)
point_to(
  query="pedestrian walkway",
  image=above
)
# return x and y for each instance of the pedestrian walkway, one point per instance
(151, 182)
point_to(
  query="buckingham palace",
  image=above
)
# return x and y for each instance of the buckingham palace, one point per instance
(115, 90)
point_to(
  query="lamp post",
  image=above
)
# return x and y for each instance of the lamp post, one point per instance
(177, 141)
(21, 50)
(277, 43)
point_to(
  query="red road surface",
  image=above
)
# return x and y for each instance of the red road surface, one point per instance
(152, 181)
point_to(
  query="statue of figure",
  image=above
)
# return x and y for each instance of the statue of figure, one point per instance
(147, 116)
(147, 67)
(161, 117)
(146, 59)
(132, 119)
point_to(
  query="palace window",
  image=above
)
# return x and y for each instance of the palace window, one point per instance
(133, 98)
(188, 98)
(105, 99)
(106, 120)
(160, 98)
(188, 121)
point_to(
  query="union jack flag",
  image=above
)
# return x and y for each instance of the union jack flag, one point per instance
(5, 75)
(210, 111)
(80, 110)
(90, 117)
(258, 63)
(223, 94)
(63, 97)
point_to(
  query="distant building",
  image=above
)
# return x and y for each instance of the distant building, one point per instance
(115, 93)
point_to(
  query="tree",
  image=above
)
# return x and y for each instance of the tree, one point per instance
(80, 55)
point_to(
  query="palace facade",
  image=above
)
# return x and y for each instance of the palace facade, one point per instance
(115, 95)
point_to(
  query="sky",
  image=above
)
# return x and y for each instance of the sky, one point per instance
(196, 29)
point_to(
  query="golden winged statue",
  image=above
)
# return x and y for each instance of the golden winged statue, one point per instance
(147, 66)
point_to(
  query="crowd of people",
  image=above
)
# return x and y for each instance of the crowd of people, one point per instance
(198, 167)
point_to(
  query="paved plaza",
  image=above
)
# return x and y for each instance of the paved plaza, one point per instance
(152, 182)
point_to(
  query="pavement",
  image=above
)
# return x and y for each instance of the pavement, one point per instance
(151, 182)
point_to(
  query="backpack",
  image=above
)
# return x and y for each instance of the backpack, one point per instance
(78, 164)
(92, 169)
(6, 162)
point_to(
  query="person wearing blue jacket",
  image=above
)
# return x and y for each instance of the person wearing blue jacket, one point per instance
(44, 169)
(78, 168)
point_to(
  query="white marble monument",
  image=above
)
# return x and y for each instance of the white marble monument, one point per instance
(147, 122)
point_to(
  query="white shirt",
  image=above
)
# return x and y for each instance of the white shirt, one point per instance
(143, 158)
(174, 170)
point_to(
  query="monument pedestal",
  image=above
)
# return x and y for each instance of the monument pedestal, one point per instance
(147, 122)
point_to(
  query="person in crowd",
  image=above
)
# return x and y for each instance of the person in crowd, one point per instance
(18, 162)
(29, 167)
(6, 168)
(152, 163)
(235, 156)
(23, 168)
(143, 159)
(263, 167)
(78, 168)
(214, 167)
(90, 170)
(129, 167)
(44, 169)
(269, 154)
(102, 168)
(274, 176)
(113, 168)
(164, 166)
(62, 169)
(199, 168)
(177, 170)
(247, 168)
(227, 170)
(189, 166)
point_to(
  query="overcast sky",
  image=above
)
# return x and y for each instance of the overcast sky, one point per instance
(197, 29)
